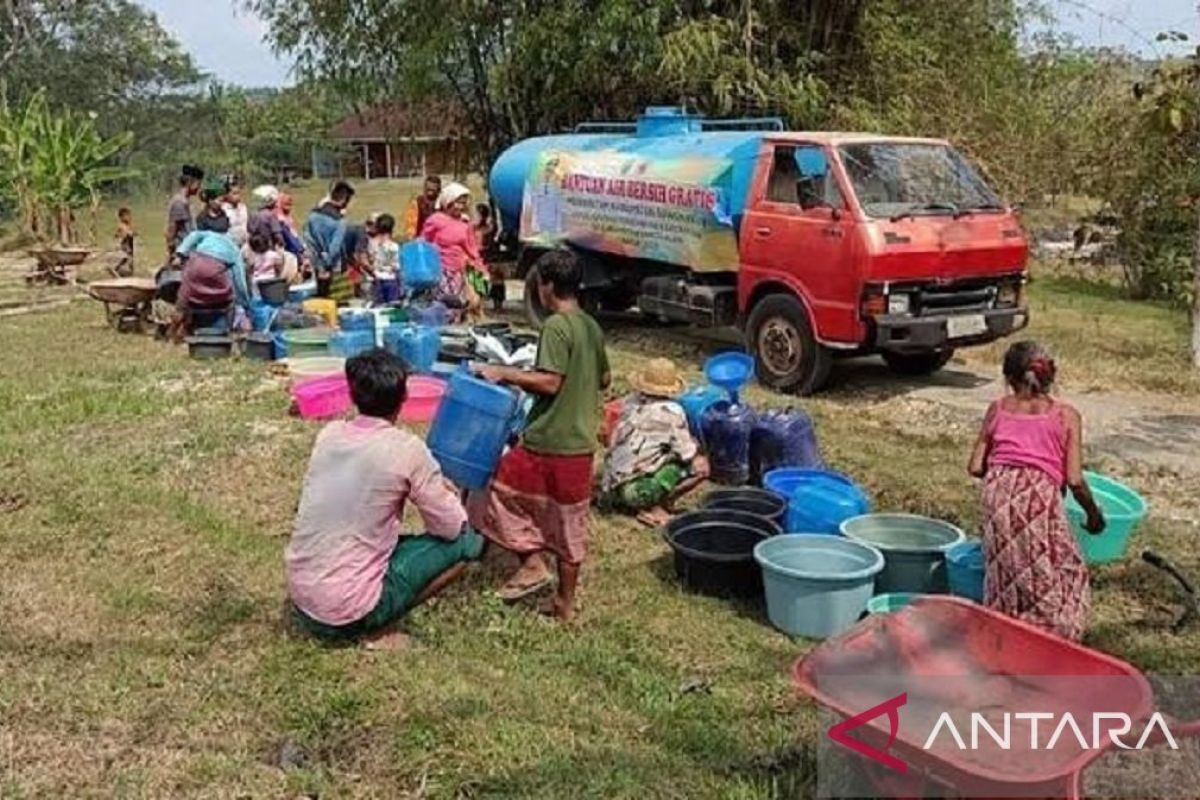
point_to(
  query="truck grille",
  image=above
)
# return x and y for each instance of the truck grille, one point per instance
(962, 299)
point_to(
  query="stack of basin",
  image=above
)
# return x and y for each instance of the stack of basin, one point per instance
(714, 550)
(818, 500)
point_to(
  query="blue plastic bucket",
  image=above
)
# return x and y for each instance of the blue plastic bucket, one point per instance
(349, 343)
(914, 548)
(816, 586)
(471, 429)
(420, 265)
(1123, 509)
(695, 401)
(965, 570)
(818, 500)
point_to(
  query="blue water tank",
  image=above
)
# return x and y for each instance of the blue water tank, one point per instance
(662, 133)
(471, 428)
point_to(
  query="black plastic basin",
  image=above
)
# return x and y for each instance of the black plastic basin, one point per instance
(714, 550)
(759, 502)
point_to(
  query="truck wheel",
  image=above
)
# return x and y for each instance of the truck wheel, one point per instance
(915, 365)
(534, 309)
(787, 354)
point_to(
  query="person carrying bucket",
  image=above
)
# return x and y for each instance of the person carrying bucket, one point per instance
(1030, 446)
(654, 460)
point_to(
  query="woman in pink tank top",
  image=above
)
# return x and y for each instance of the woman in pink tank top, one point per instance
(1028, 450)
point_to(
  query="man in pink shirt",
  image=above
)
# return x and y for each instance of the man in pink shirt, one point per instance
(350, 573)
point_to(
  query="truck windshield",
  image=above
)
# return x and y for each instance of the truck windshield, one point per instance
(900, 179)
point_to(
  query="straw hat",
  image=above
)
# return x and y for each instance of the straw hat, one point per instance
(659, 378)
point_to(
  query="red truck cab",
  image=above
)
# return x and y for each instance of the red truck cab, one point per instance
(858, 244)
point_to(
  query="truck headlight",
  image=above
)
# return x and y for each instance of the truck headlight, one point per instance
(899, 303)
(1008, 296)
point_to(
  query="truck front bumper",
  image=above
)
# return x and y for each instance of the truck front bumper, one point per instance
(903, 333)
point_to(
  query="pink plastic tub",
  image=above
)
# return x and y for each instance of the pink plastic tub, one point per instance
(424, 397)
(323, 397)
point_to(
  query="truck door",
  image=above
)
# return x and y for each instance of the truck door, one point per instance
(798, 231)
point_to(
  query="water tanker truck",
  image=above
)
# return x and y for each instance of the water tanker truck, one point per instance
(814, 245)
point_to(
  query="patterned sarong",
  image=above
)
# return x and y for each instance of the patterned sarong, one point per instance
(1034, 568)
(537, 503)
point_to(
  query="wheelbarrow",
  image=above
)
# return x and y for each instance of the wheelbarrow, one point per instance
(896, 684)
(126, 300)
(56, 263)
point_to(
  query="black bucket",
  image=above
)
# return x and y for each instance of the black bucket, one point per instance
(714, 551)
(260, 347)
(208, 347)
(273, 291)
(760, 502)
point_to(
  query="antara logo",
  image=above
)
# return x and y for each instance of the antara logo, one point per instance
(1105, 728)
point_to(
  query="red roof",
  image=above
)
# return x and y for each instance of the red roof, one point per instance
(437, 119)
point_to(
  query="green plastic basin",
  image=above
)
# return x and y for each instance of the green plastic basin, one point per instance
(1123, 509)
(893, 601)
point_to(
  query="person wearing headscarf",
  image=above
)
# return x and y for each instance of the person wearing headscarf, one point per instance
(213, 278)
(451, 232)
(265, 221)
(235, 209)
(212, 215)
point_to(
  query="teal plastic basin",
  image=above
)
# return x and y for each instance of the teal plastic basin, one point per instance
(913, 546)
(1123, 509)
(887, 603)
(816, 585)
(966, 570)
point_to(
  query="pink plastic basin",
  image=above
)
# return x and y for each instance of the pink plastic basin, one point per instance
(424, 397)
(323, 397)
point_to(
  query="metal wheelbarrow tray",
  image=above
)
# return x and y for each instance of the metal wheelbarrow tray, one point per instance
(950, 655)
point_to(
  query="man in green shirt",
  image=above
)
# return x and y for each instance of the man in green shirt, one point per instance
(539, 501)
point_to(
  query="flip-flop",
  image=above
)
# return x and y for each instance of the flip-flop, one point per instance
(510, 593)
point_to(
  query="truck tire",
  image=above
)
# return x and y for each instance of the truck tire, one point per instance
(786, 352)
(916, 365)
(534, 309)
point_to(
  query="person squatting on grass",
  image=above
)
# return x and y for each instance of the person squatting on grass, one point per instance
(538, 502)
(653, 459)
(350, 572)
(1029, 447)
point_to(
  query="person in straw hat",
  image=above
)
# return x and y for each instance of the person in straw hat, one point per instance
(653, 460)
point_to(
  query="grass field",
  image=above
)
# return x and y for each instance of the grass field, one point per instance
(145, 501)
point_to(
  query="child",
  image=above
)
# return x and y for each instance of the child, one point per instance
(653, 460)
(385, 261)
(263, 263)
(124, 235)
(350, 574)
(1030, 446)
(539, 500)
(485, 235)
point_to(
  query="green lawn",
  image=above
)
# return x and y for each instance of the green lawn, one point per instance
(144, 504)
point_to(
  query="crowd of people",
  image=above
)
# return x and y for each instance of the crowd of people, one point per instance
(218, 254)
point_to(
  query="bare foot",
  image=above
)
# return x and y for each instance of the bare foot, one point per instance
(655, 517)
(387, 641)
(554, 607)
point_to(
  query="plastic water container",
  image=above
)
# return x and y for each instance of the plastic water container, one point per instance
(432, 315)
(727, 438)
(696, 400)
(1123, 509)
(416, 345)
(914, 549)
(818, 500)
(783, 438)
(965, 570)
(324, 397)
(816, 586)
(356, 319)
(420, 265)
(262, 315)
(347, 344)
(471, 429)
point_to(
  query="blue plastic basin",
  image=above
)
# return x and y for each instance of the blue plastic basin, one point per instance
(965, 570)
(816, 586)
(1123, 509)
(818, 500)
(914, 548)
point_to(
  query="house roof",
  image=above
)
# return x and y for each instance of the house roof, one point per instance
(427, 120)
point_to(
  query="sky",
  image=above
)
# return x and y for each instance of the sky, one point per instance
(228, 43)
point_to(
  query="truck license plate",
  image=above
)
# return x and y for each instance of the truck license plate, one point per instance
(965, 326)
